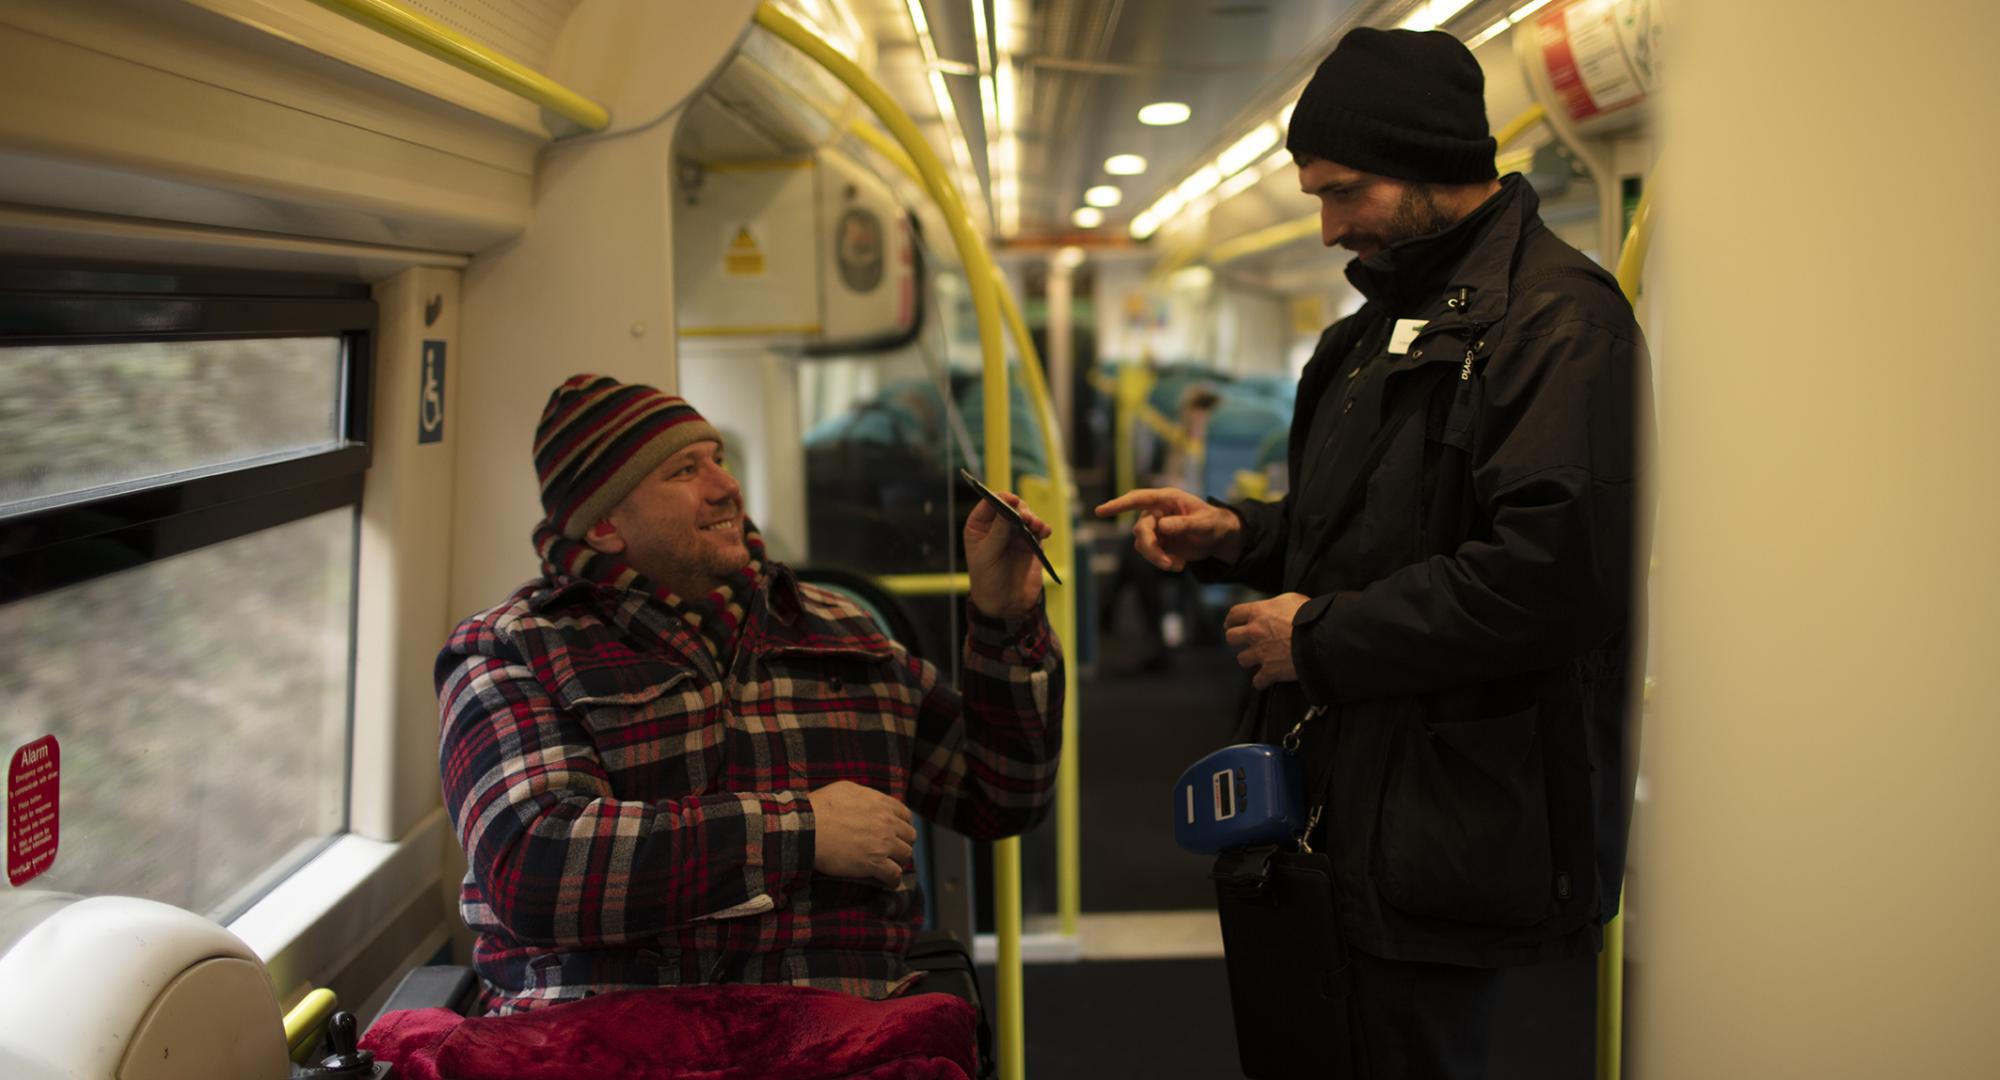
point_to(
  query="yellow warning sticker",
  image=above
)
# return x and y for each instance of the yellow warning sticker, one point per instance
(744, 258)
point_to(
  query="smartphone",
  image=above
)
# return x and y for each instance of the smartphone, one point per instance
(1007, 513)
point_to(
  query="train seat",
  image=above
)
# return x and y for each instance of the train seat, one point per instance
(1237, 432)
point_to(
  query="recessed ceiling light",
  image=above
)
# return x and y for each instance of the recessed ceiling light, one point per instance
(1103, 195)
(1165, 113)
(1087, 217)
(1431, 15)
(1124, 164)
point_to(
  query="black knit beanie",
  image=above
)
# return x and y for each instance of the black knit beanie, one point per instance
(1398, 103)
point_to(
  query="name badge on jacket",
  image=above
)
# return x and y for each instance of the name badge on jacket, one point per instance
(1406, 331)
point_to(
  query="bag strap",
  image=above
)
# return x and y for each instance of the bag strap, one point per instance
(1325, 785)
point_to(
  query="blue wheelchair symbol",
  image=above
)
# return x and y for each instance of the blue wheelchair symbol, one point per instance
(430, 408)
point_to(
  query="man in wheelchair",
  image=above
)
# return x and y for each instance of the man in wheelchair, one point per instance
(671, 763)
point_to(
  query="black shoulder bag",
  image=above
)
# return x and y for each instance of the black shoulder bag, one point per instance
(1288, 967)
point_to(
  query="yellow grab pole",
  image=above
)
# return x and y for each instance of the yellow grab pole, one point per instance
(1611, 962)
(1515, 128)
(1063, 615)
(925, 584)
(979, 276)
(886, 147)
(1632, 256)
(1611, 1000)
(1128, 405)
(1055, 509)
(428, 35)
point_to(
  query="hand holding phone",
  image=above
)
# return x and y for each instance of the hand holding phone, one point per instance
(1009, 514)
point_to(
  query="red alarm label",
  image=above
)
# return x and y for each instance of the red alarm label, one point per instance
(34, 780)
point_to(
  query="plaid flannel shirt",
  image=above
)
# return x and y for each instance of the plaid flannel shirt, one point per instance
(635, 813)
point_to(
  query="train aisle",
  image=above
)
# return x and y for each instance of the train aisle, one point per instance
(1139, 730)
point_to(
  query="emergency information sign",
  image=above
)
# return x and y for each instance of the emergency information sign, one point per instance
(1589, 48)
(33, 825)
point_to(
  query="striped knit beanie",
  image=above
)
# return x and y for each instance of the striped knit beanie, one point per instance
(598, 438)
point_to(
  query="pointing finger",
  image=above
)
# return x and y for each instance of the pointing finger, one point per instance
(1137, 499)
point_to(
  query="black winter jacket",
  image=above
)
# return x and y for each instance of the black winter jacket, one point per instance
(1471, 562)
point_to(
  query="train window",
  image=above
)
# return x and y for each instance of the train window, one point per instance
(79, 419)
(181, 461)
(201, 705)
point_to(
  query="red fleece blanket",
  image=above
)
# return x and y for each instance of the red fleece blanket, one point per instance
(690, 1033)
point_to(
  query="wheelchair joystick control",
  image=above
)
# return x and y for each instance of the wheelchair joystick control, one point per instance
(345, 1059)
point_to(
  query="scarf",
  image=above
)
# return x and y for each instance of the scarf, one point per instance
(716, 619)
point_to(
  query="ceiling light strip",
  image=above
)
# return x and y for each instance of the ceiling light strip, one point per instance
(989, 109)
(1431, 15)
(1507, 21)
(954, 132)
(1006, 99)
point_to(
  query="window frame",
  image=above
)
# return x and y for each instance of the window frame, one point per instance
(129, 525)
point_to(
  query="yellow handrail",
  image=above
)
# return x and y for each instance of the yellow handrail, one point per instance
(925, 584)
(886, 147)
(1515, 128)
(1611, 999)
(1062, 598)
(1128, 397)
(1062, 613)
(305, 1020)
(979, 275)
(1632, 256)
(1611, 962)
(422, 32)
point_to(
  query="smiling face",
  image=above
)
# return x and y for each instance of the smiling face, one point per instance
(1365, 213)
(682, 526)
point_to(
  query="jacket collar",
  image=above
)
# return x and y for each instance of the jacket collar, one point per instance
(1464, 269)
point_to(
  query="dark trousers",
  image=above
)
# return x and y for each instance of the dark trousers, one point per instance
(1414, 1021)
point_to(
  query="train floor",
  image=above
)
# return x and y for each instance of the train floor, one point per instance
(1141, 724)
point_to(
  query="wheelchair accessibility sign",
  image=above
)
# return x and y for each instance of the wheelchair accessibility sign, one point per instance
(430, 403)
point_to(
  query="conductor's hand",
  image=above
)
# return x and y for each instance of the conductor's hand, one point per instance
(1175, 528)
(1261, 632)
(861, 833)
(1006, 576)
